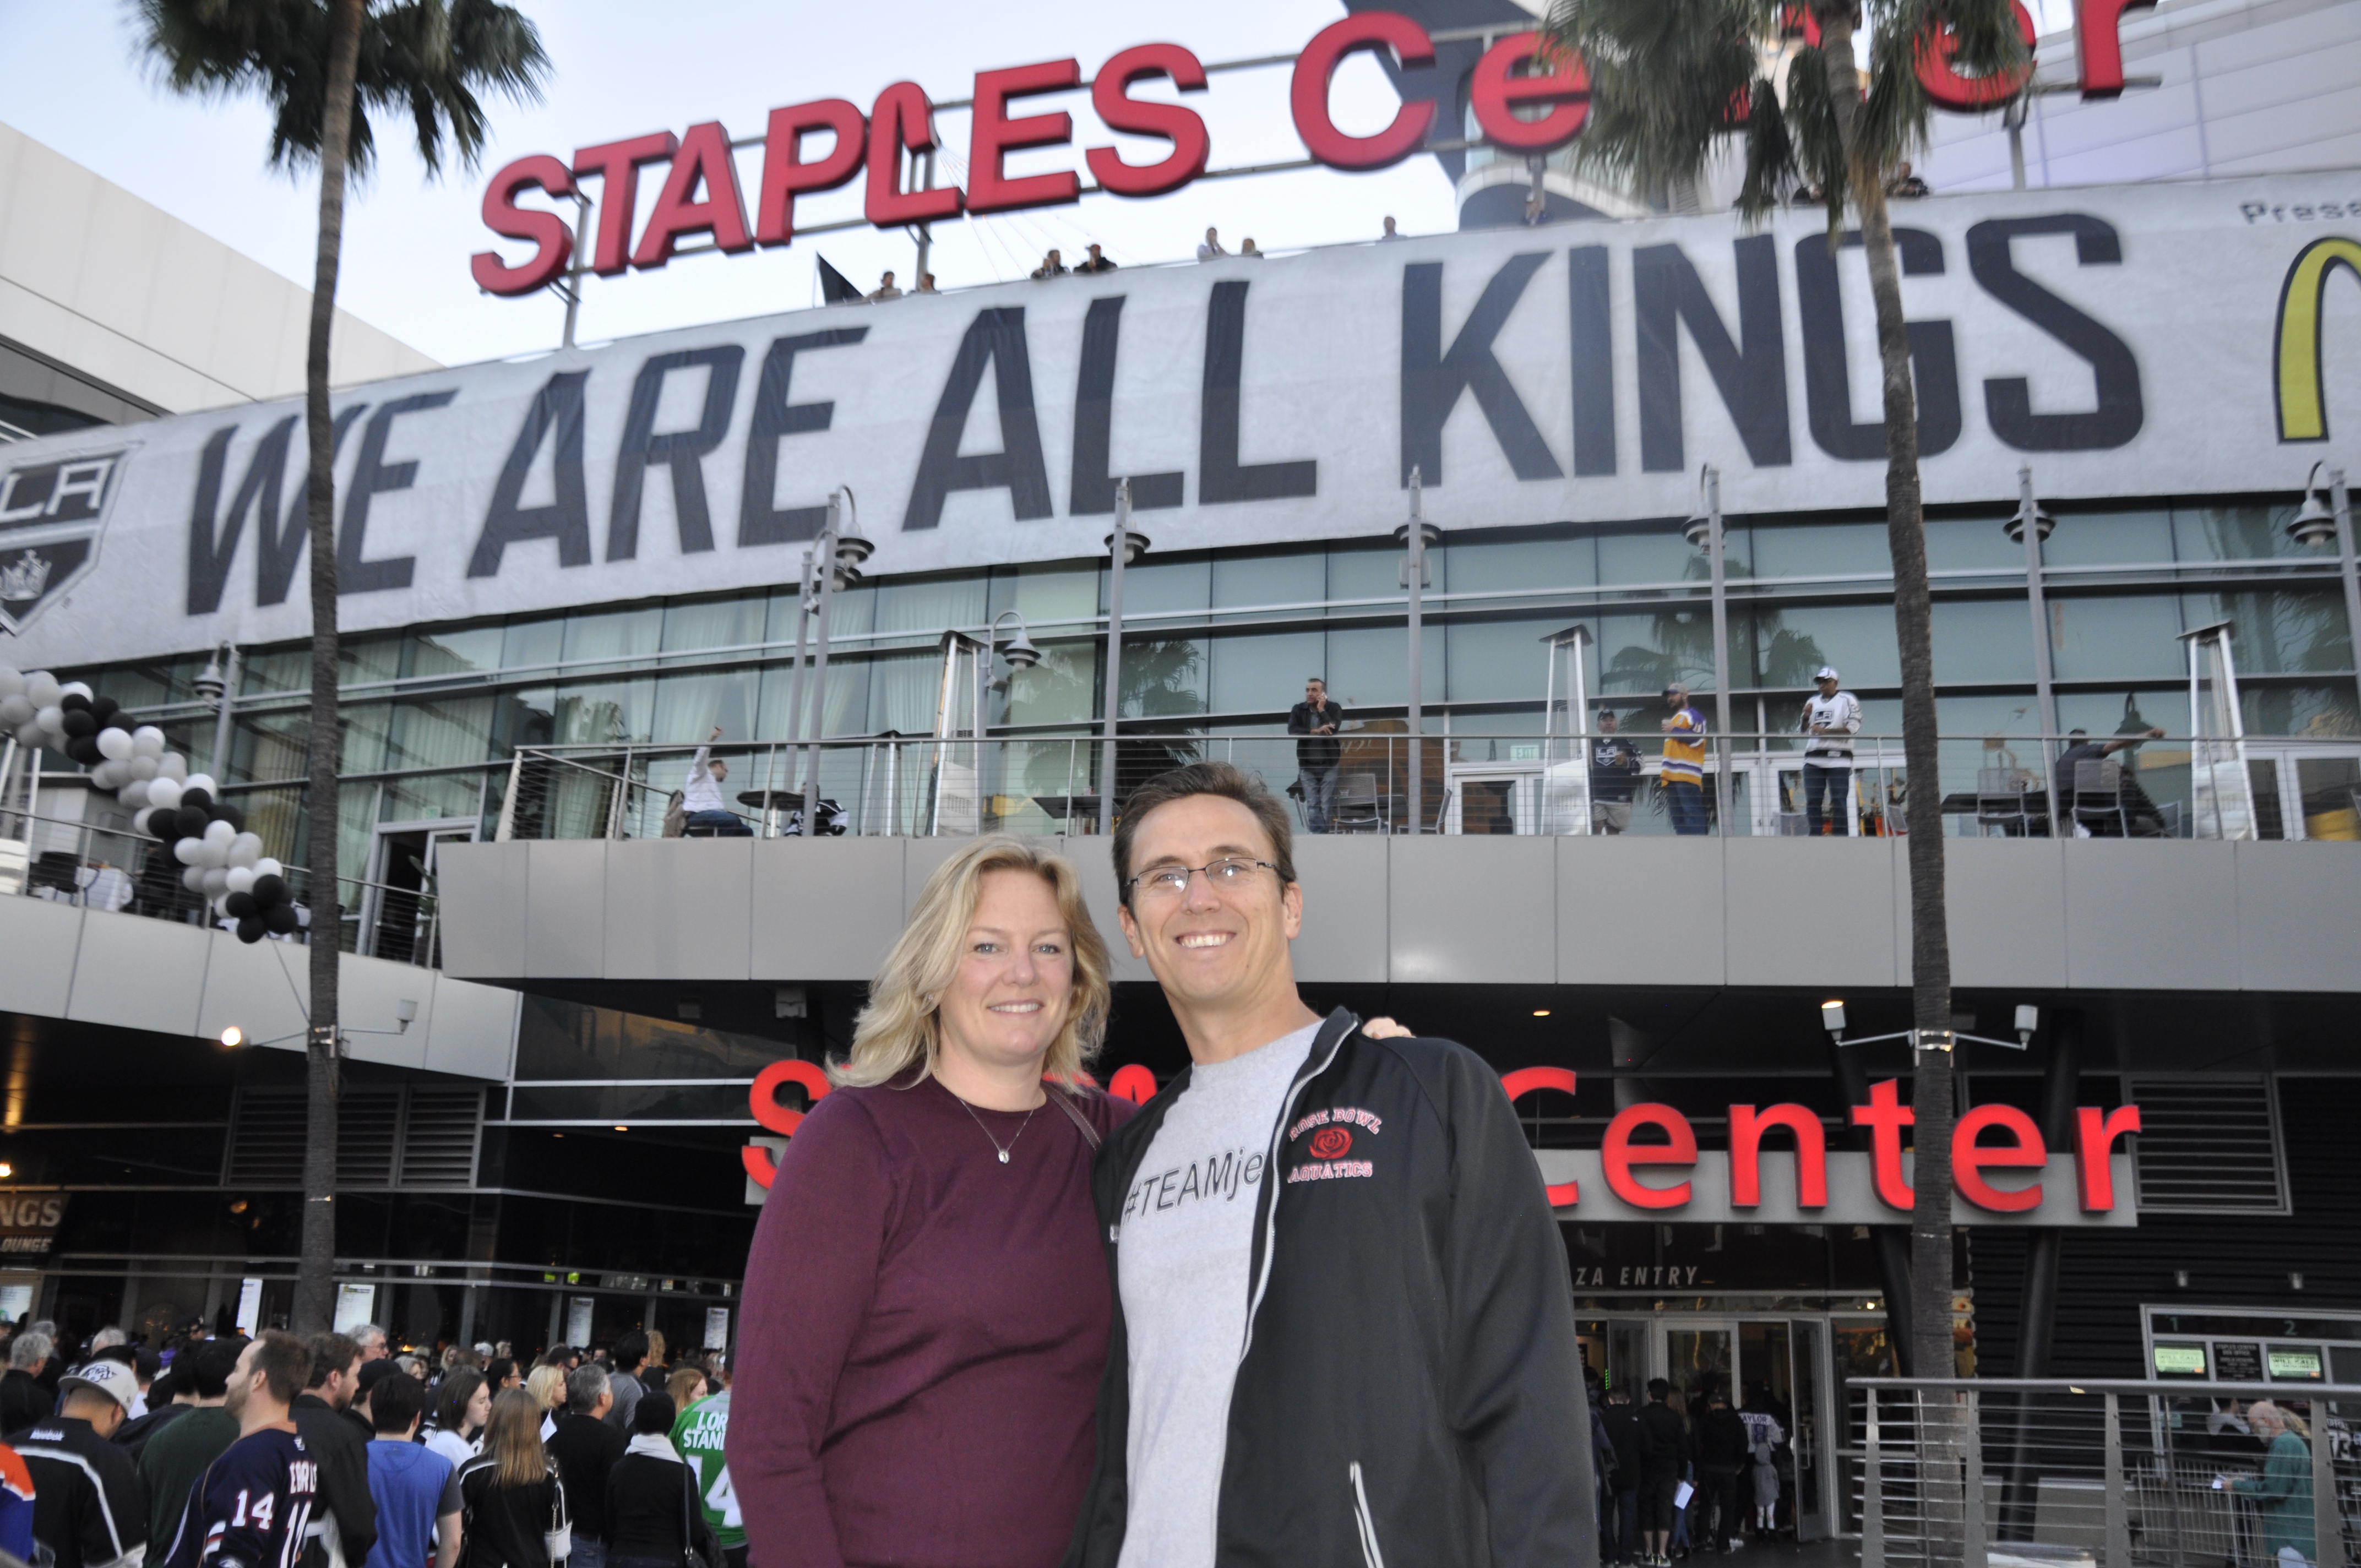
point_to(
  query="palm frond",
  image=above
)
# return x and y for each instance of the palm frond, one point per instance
(1770, 156)
(1664, 74)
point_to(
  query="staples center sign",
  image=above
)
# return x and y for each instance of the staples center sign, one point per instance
(1524, 99)
(1666, 1177)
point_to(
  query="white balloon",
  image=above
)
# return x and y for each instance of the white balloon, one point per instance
(164, 793)
(77, 689)
(16, 708)
(174, 766)
(217, 882)
(246, 849)
(114, 744)
(269, 867)
(139, 820)
(142, 767)
(102, 778)
(238, 878)
(12, 681)
(193, 879)
(52, 719)
(43, 688)
(220, 832)
(147, 741)
(189, 851)
(30, 734)
(134, 794)
(201, 781)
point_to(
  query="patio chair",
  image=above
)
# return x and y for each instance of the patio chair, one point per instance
(2000, 801)
(1359, 808)
(2099, 797)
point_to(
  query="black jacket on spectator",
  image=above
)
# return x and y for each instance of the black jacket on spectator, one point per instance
(504, 1527)
(90, 1506)
(647, 1508)
(1623, 1431)
(23, 1400)
(1318, 751)
(132, 1435)
(344, 1478)
(1721, 1440)
(1663, 1442)
(585, 1449)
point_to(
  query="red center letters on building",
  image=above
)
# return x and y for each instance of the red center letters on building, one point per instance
(701, 195)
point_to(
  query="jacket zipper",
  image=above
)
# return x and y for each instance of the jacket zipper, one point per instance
(1270, 1177)
(1370, 1556)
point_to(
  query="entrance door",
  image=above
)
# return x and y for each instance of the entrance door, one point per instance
(398, 905)
(1778, 1364)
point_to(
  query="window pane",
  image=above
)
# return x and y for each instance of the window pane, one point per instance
(1259, 674)
(1661, 555)
(1971, 543)
(2279, 630)
(2109, 539)
(1163, 677)
(615, 635)
(440, 732)
(436, 797)
(1366, 572)
(1368, 666)
(271, 746)
(930, 606)
(1639, 653)
(363, 659)
(1047, 595)
(454, 653)
(2298, 710)
(1498, 661)
(1061, 689)
(364, 727)
(1252, 580)
(2132, 637)
(1539, 564)
(1982, 640)
(1858, 638)
(280, 670)
(715, 623)
(902, 692)
(601, 713)
(1151, 586)
(527, 717)
(1820, 549)
(1997, 715)
(529, 645)
(2125, 713)
(689, 707)
(2232, 533)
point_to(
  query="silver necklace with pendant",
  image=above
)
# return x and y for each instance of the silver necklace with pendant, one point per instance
(1002, 1153)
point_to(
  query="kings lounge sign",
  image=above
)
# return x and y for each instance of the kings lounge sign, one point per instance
(1648, 1168)
(1525, 98)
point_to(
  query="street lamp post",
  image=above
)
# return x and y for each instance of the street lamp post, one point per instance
(217, 683)
(1125, 546)
(804, 606)
(1420, 536)
(836, 555)
(2317, 526)
(2028, 511)
(1705, 528)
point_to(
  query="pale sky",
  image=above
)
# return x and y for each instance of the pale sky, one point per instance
(620, 69)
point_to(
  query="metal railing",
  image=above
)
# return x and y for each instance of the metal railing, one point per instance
(1748, 786)
(2181, 1474)
(98, 867)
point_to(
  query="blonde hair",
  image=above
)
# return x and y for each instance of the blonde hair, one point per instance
(901, 1029)
(547, 1386)
(682, 1383)
(2279, 1413)
(512, 1438)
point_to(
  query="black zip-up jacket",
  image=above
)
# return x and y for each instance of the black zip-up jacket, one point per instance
(1316, 750)
(1410, 1388)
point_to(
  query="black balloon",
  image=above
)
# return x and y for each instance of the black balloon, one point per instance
(74, 702)
(190, 819)
(268, 889)
(241, 905)
(250, 930)
(84, 750)
(282, 919)
(78, 721)
(103, 708)
(197, 797)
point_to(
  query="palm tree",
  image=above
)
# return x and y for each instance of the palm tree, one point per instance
(1670, 81)
(324, 66)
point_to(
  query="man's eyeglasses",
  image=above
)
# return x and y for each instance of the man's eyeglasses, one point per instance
(1172, 881)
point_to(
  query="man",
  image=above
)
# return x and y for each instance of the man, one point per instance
(88, 1505)
(1390, 232)
(1094, 262)
(2137, 808)
(1614, 776)
(709, 813)
(414, 1488)
(1664, 1454)
(372, 1340)
(1905, 184)
(1212, 245)
(1682, 776)
(883, 292)
(701, 1436)
(1345, 1335)
(176, 1456)
(631, 1356)
(1723, 1453)
(585, 1447)
(342, 1510)
(167, 1398)
(23, 1399)
(1831, 721)
(1316, 757)
(252, 1506)
(1623, 1422)
(926, 283)
(1052, 266)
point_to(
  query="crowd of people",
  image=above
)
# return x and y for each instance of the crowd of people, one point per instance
(339, 1450)
(1679, 1475)
(1054, 265)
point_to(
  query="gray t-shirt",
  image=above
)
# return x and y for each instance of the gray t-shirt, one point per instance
(1185, 1248)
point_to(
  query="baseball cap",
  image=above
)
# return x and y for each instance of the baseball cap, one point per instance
(1827, 673)
(111, 1378)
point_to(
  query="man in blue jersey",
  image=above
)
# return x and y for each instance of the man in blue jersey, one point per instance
(250, 1506)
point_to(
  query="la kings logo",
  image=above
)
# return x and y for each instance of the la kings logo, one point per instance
(51, 513)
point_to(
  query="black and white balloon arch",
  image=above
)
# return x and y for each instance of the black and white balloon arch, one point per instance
(219, 859)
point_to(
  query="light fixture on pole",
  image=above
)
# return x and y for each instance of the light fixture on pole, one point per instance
(1418, 536)
(2315, 525)
(1704, 533)
(836, 555)
(1018, 650)
(215, 684)
(2045, 692)
(1125, 546)
(1832, 1019)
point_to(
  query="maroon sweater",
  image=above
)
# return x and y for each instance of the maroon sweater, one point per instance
(925, 1329)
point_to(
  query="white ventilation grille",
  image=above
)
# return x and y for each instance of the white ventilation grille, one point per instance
(387, 1136)
(2209, 1145)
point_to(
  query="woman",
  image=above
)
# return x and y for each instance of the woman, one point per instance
(648, 1517)
(504, 1373)
(653, 1371)
(547, 1386)
(927, 1295)
(462, 1406)
(511, 1503)
(687, 1386)
(2284, 1484)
